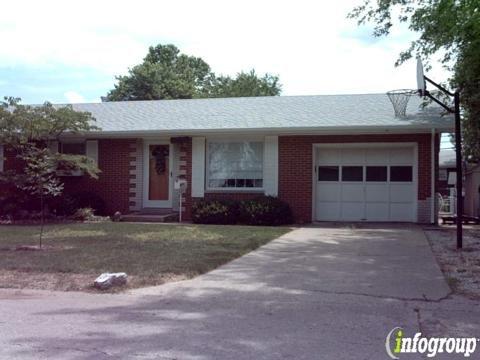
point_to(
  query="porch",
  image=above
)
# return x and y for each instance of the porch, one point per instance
(153, 215)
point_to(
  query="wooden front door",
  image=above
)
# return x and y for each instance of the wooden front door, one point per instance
(158, 175)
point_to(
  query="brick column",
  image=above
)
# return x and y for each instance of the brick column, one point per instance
(186, 172)
(135, 194)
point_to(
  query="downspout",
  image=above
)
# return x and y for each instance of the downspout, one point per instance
(432, 178)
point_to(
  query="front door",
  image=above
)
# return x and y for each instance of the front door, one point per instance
(158, 175)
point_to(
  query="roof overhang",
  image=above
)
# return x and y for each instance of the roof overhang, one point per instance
(336, 130)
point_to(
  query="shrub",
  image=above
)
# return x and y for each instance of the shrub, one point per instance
(18, 205)
(91, 200)
(215, 212)
(83, 214)
(11, 206)
(265, 210)
(67, 204)
(64, 205)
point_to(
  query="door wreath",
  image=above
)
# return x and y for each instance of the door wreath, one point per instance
(160, 154)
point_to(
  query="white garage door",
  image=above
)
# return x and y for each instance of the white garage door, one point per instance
(365, 184)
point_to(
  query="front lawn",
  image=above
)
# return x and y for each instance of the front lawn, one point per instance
(150, 254)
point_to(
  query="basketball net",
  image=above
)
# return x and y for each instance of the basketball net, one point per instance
(399, 99)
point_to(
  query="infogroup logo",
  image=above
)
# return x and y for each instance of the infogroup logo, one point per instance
(397, 343)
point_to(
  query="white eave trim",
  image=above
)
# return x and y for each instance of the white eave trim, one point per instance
(332, 130)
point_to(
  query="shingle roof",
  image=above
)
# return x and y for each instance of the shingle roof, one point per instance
(257, 113)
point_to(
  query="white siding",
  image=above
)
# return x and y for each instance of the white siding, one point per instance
(198, 166)
(92, 150)
(270, 166)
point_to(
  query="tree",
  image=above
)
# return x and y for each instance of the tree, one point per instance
(165, 73)
(446, 27)
(245, 84)
(38, 178)
(28, 130)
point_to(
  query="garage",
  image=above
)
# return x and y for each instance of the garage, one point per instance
(355, 182)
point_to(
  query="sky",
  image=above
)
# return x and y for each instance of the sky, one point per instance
(71, 51)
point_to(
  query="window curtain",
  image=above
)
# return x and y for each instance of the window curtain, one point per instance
(235, 160)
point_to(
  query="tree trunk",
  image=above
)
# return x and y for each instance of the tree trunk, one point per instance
(42, 210)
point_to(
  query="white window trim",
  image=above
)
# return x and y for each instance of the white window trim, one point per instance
(232, 189)
(91, 150)
(198, 167)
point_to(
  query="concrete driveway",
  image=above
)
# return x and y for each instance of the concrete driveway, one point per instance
(316, 293)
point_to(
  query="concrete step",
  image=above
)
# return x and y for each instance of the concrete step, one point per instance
(156, 218)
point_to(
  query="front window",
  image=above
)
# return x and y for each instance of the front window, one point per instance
(73, 148)
(235, 164)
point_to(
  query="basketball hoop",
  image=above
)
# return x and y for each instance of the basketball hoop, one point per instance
(399, 99)
(421, 85)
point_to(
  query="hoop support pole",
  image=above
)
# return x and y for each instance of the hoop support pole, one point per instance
(458, 150)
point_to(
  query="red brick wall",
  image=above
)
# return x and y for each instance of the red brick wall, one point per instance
(296, 166)
(113, 184)
(10, 162)
(239, 196)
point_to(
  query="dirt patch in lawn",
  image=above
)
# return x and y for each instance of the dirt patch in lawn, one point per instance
(150, 254)
(75, 282)
(460, 267)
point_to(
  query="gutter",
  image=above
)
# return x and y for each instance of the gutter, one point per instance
(331, 130)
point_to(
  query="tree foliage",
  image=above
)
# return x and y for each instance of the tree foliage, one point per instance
(165, 73)
(245, 84)
(450, 28)
(28, 131)
(38, 177)
(24, 124)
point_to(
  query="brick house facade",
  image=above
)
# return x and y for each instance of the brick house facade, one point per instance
(116, 182)
(289, 164)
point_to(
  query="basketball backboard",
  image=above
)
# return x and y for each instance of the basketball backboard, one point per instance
(421, 86)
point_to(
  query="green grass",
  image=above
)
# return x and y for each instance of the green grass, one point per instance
(149, 253)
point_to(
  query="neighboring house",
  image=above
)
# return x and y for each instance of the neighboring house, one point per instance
(447, 171)
(332, 158)
(446, 181)
(472, 191)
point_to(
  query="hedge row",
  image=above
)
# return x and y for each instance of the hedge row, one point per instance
(19, 205)
(264, 210)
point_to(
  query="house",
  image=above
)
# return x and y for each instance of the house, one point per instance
(447, 171)
(332, 158)
(472, 191)
(446, 181)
